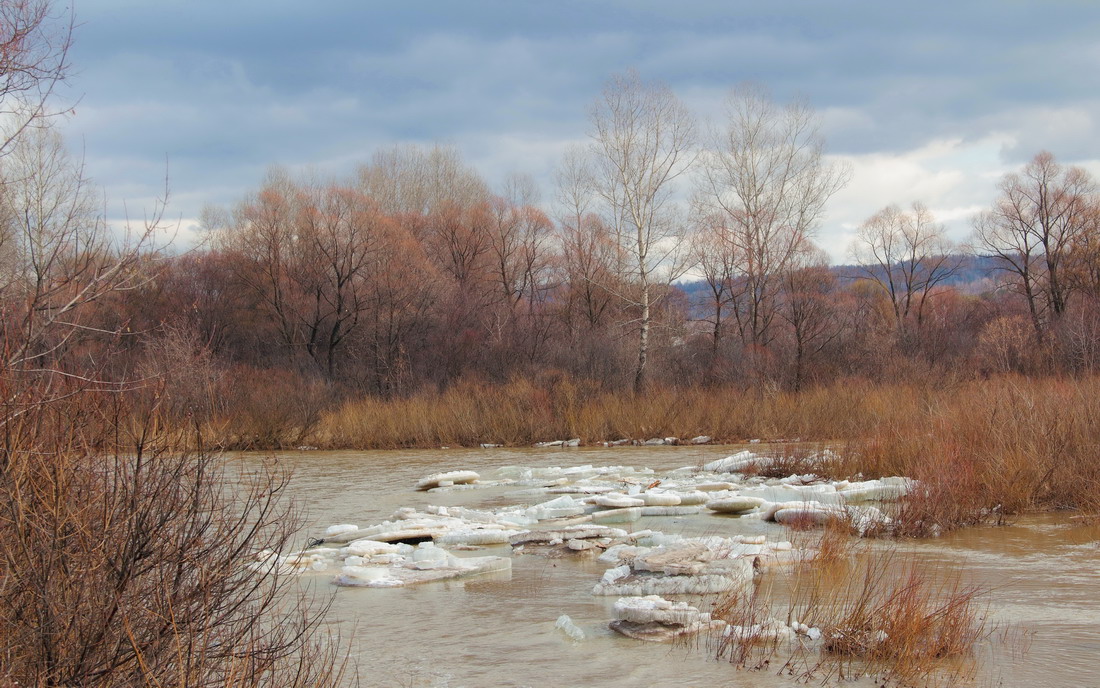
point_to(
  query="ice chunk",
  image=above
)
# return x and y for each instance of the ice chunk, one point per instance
(656, 609)
(734, 505)
(627, 515)
(451, 477)
(693, 498)
(658, 499)
(370, 548)
(617, 573)
(715, 486)
(568, 533)
(616, 501)
(733, 464)
(340, 529)
(809, 513)
(475, 536)
(427, 566)
(655, 584)
(566, 626)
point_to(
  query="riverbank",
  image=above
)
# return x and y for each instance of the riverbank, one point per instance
(984, 449)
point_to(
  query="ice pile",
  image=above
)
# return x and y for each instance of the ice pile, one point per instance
(660, 564)
(577, 538)
(656, 619)
(587, 510)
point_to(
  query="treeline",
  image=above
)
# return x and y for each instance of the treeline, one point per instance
(414, 274)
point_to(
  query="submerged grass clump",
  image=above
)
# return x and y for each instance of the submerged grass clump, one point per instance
(872, 616)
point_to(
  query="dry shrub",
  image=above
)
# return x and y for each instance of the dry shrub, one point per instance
(835, 543)
(878, 617)
(269, 409)
(747, 608)
(899, 623)
(125, 564)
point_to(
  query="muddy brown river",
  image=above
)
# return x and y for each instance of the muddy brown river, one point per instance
(1043, 573)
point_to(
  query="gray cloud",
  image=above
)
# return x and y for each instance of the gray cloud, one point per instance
(223, 90)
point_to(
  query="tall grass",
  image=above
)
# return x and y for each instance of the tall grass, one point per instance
(878, 616)
(981, 449)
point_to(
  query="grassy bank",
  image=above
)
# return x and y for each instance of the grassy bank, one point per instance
(987, 448)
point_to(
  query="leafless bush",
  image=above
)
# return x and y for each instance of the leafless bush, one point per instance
(133, 565)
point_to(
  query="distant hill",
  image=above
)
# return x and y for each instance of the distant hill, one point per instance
(976, 274)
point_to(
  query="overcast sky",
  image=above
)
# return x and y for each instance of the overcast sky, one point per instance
(930, 101)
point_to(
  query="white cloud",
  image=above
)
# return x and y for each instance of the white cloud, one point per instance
(954, 178)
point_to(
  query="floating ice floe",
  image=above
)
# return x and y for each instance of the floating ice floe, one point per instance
(737, 504)
(677, 565)
(426, 563)
(656, 619)
(447, 479)
(617, 501)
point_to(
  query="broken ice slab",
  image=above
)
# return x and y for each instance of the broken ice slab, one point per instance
(613, 500)
(570, 629)
(426, 564)
(736, 504)
(654, 608)
(717, 576)
(583, 532)
(446, 479)
(656, 619)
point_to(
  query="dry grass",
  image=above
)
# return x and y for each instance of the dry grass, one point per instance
(878, 617)
(982, 450)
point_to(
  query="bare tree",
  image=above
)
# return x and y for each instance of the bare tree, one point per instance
(809, 307)
(34, 58)
(412, 180)
(1032, 229)
(308, 251)
(719, 262)
(762, 191)
(60, 257)
(906, 254)
(588, 254)
(642, 141)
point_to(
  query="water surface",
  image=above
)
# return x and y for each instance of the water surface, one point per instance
(498, 630)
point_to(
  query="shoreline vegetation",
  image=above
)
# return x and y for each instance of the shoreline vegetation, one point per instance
(982, 449)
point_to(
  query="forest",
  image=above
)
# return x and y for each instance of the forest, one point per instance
(665, 260)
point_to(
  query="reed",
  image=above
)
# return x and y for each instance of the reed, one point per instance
(874, 615)
(982, 449)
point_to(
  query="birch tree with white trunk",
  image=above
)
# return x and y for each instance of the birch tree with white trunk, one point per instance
(643, 139)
